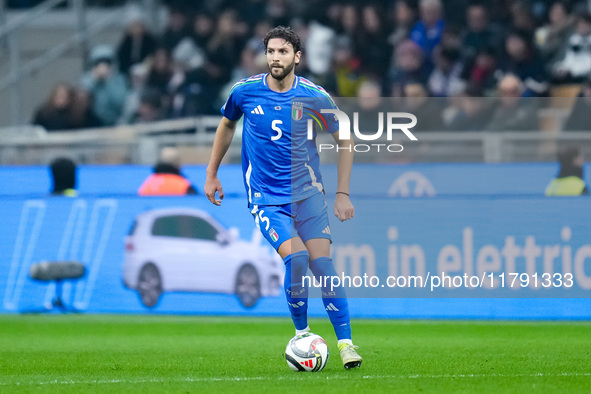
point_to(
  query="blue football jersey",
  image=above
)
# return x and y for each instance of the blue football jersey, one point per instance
(280, 162)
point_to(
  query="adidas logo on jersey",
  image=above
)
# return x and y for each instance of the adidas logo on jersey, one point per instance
(326, 230)
(331, 307)
(258, 110)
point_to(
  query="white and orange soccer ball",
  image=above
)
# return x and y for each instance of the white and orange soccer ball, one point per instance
(306, 353)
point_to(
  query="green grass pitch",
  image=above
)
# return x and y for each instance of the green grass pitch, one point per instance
(82, 353)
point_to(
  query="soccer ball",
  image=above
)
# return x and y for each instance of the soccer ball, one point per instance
(307, 352)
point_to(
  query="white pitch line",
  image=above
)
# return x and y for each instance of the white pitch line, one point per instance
(294, 377)
(463, 376)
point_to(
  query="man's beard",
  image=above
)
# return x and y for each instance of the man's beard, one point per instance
(284, 71)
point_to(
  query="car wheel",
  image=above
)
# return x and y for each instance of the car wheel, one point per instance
(149, 285)
(248, 286)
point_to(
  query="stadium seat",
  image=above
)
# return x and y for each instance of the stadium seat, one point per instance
(561, 101)
(563, 96)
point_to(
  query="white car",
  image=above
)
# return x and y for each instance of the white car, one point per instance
(182, 249)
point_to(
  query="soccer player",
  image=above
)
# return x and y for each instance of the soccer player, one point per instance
(282, 178)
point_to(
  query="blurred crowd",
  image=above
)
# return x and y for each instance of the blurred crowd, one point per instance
(454, 49)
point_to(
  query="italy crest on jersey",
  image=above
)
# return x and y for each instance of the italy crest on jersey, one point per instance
(297, 110)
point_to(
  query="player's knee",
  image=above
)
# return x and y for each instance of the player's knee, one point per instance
(291, 247)
(318, 247)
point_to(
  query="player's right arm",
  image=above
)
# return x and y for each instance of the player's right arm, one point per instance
(221, 143)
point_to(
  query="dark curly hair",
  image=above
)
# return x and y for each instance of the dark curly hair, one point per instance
(287, 33)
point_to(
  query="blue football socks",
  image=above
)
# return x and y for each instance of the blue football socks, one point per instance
(335, 300)
(296, 266)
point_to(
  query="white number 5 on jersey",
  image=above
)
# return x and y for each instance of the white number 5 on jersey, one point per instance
(264, 220)
(275, 127)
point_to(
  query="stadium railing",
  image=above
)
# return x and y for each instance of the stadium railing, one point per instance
(137, 144)
(140, 144)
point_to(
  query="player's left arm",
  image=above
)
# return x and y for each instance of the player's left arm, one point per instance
(343, 208)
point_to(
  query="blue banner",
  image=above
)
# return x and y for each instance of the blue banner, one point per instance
(183, 255)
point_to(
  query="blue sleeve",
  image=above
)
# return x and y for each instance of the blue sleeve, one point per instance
(331, 120)
(231, 109)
